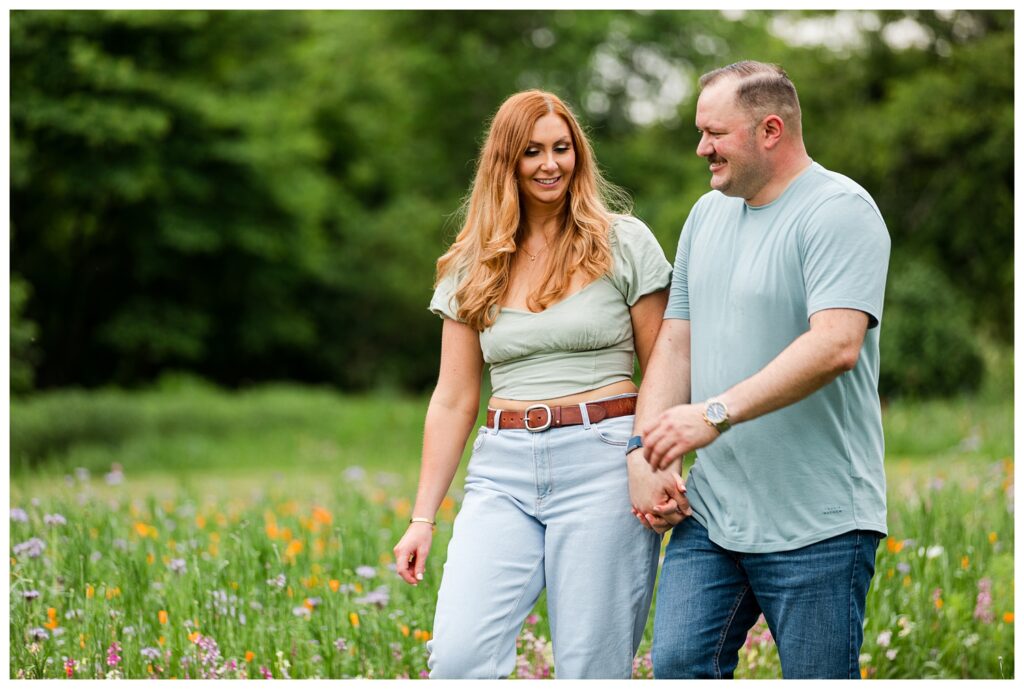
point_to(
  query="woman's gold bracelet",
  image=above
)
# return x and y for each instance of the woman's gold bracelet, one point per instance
(423, 520)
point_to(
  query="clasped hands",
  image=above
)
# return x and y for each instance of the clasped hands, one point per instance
(656, 489)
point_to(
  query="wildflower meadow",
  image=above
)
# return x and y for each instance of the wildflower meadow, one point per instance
(124, 564)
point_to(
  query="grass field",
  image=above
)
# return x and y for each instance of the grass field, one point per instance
(190, 532)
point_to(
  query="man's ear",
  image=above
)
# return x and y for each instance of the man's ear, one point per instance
(773, 129)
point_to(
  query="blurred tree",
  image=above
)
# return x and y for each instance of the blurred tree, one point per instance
(254, 195)
(24, 355)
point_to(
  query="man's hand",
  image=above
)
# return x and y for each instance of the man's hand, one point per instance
(678, 430)
(658, 498)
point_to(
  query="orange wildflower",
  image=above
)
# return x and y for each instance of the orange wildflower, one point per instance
(162, 616)
(51, 621)
(354, 619)
(150, 558)
(286, 534)
(90, 591)
(293, 549)
(322, 516)
(964, 562)
(892, 545)
(993, 537)
(1008, 617)
(194, 637)
(334, 584)
(249, 655)
(405, 630)
(200, 521)
(161, 641)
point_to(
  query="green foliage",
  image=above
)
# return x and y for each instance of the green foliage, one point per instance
(927, 348)
(23, 335)
(262, 195)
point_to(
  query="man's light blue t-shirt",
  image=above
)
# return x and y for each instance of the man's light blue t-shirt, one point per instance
(748, 279)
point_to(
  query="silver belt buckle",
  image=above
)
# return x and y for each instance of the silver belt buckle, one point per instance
(526, 418)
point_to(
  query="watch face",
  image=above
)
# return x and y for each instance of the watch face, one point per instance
(716, 412)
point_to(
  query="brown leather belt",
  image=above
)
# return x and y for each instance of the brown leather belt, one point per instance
(541, 417)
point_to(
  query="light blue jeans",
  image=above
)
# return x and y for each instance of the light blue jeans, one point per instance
(546, 509)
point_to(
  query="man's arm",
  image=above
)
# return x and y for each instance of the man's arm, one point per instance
(666, 383)
(830, 348)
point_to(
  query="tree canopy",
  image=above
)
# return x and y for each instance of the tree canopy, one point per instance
(262, 195)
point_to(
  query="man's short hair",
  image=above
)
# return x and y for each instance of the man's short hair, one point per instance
(763, 89)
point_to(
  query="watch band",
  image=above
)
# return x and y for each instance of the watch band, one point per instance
(634, 443)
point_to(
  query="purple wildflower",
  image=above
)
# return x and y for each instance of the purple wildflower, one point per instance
(341, 644)
(265, 672)
(983, 608)
(116, 475)
(39, 634)
(18, 515)
(55, 519)
(278, 582)
(903, 567)
(366, 572)
(30, 595)
(177, 565)
(33, 547)
(150, 653)
(355, 473)
(209, 656)
(379, 596)
(424, 674)
(301, 611)
(112, 654)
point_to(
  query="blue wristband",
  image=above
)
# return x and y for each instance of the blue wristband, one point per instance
(634, 443)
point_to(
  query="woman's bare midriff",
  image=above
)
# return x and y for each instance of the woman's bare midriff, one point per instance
(620, 388)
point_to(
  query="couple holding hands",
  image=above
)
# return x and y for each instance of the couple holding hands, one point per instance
(758, 350)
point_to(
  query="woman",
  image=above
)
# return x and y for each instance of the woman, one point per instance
(554, 292)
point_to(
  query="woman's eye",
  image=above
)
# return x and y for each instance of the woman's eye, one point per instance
(530, 152)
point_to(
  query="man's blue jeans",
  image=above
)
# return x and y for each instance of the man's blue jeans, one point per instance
(812, 598)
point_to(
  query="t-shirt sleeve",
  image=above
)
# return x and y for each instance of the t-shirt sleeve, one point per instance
(679, 296)
(845, 252)
(640, 266)
(443, 302)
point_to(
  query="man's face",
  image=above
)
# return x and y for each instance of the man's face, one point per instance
(729, 142)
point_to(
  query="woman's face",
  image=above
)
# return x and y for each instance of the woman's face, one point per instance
(546, 166)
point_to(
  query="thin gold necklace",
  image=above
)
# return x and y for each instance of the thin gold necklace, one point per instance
(533, 257)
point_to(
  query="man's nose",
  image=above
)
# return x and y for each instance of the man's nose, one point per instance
(704, 147)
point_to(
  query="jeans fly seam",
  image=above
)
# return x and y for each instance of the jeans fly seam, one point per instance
(725, 631)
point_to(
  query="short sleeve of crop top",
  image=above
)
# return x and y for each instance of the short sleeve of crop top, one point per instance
(640, 266)
(443, 302)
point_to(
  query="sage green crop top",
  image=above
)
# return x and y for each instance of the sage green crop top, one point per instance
(584, 341)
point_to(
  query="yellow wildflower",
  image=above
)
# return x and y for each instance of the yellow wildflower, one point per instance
(90, 591)
(964, 562)
(993, 537)
(354, 619)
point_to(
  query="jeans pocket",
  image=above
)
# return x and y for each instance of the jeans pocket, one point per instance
(615, 431)
(481, 436)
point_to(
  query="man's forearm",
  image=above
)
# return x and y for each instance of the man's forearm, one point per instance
(811, 362)
(667, 380)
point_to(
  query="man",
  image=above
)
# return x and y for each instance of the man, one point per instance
(767, 366)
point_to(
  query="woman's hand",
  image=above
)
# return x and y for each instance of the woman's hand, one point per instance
(411, 552)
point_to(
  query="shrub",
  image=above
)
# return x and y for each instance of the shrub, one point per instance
(928, 345)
